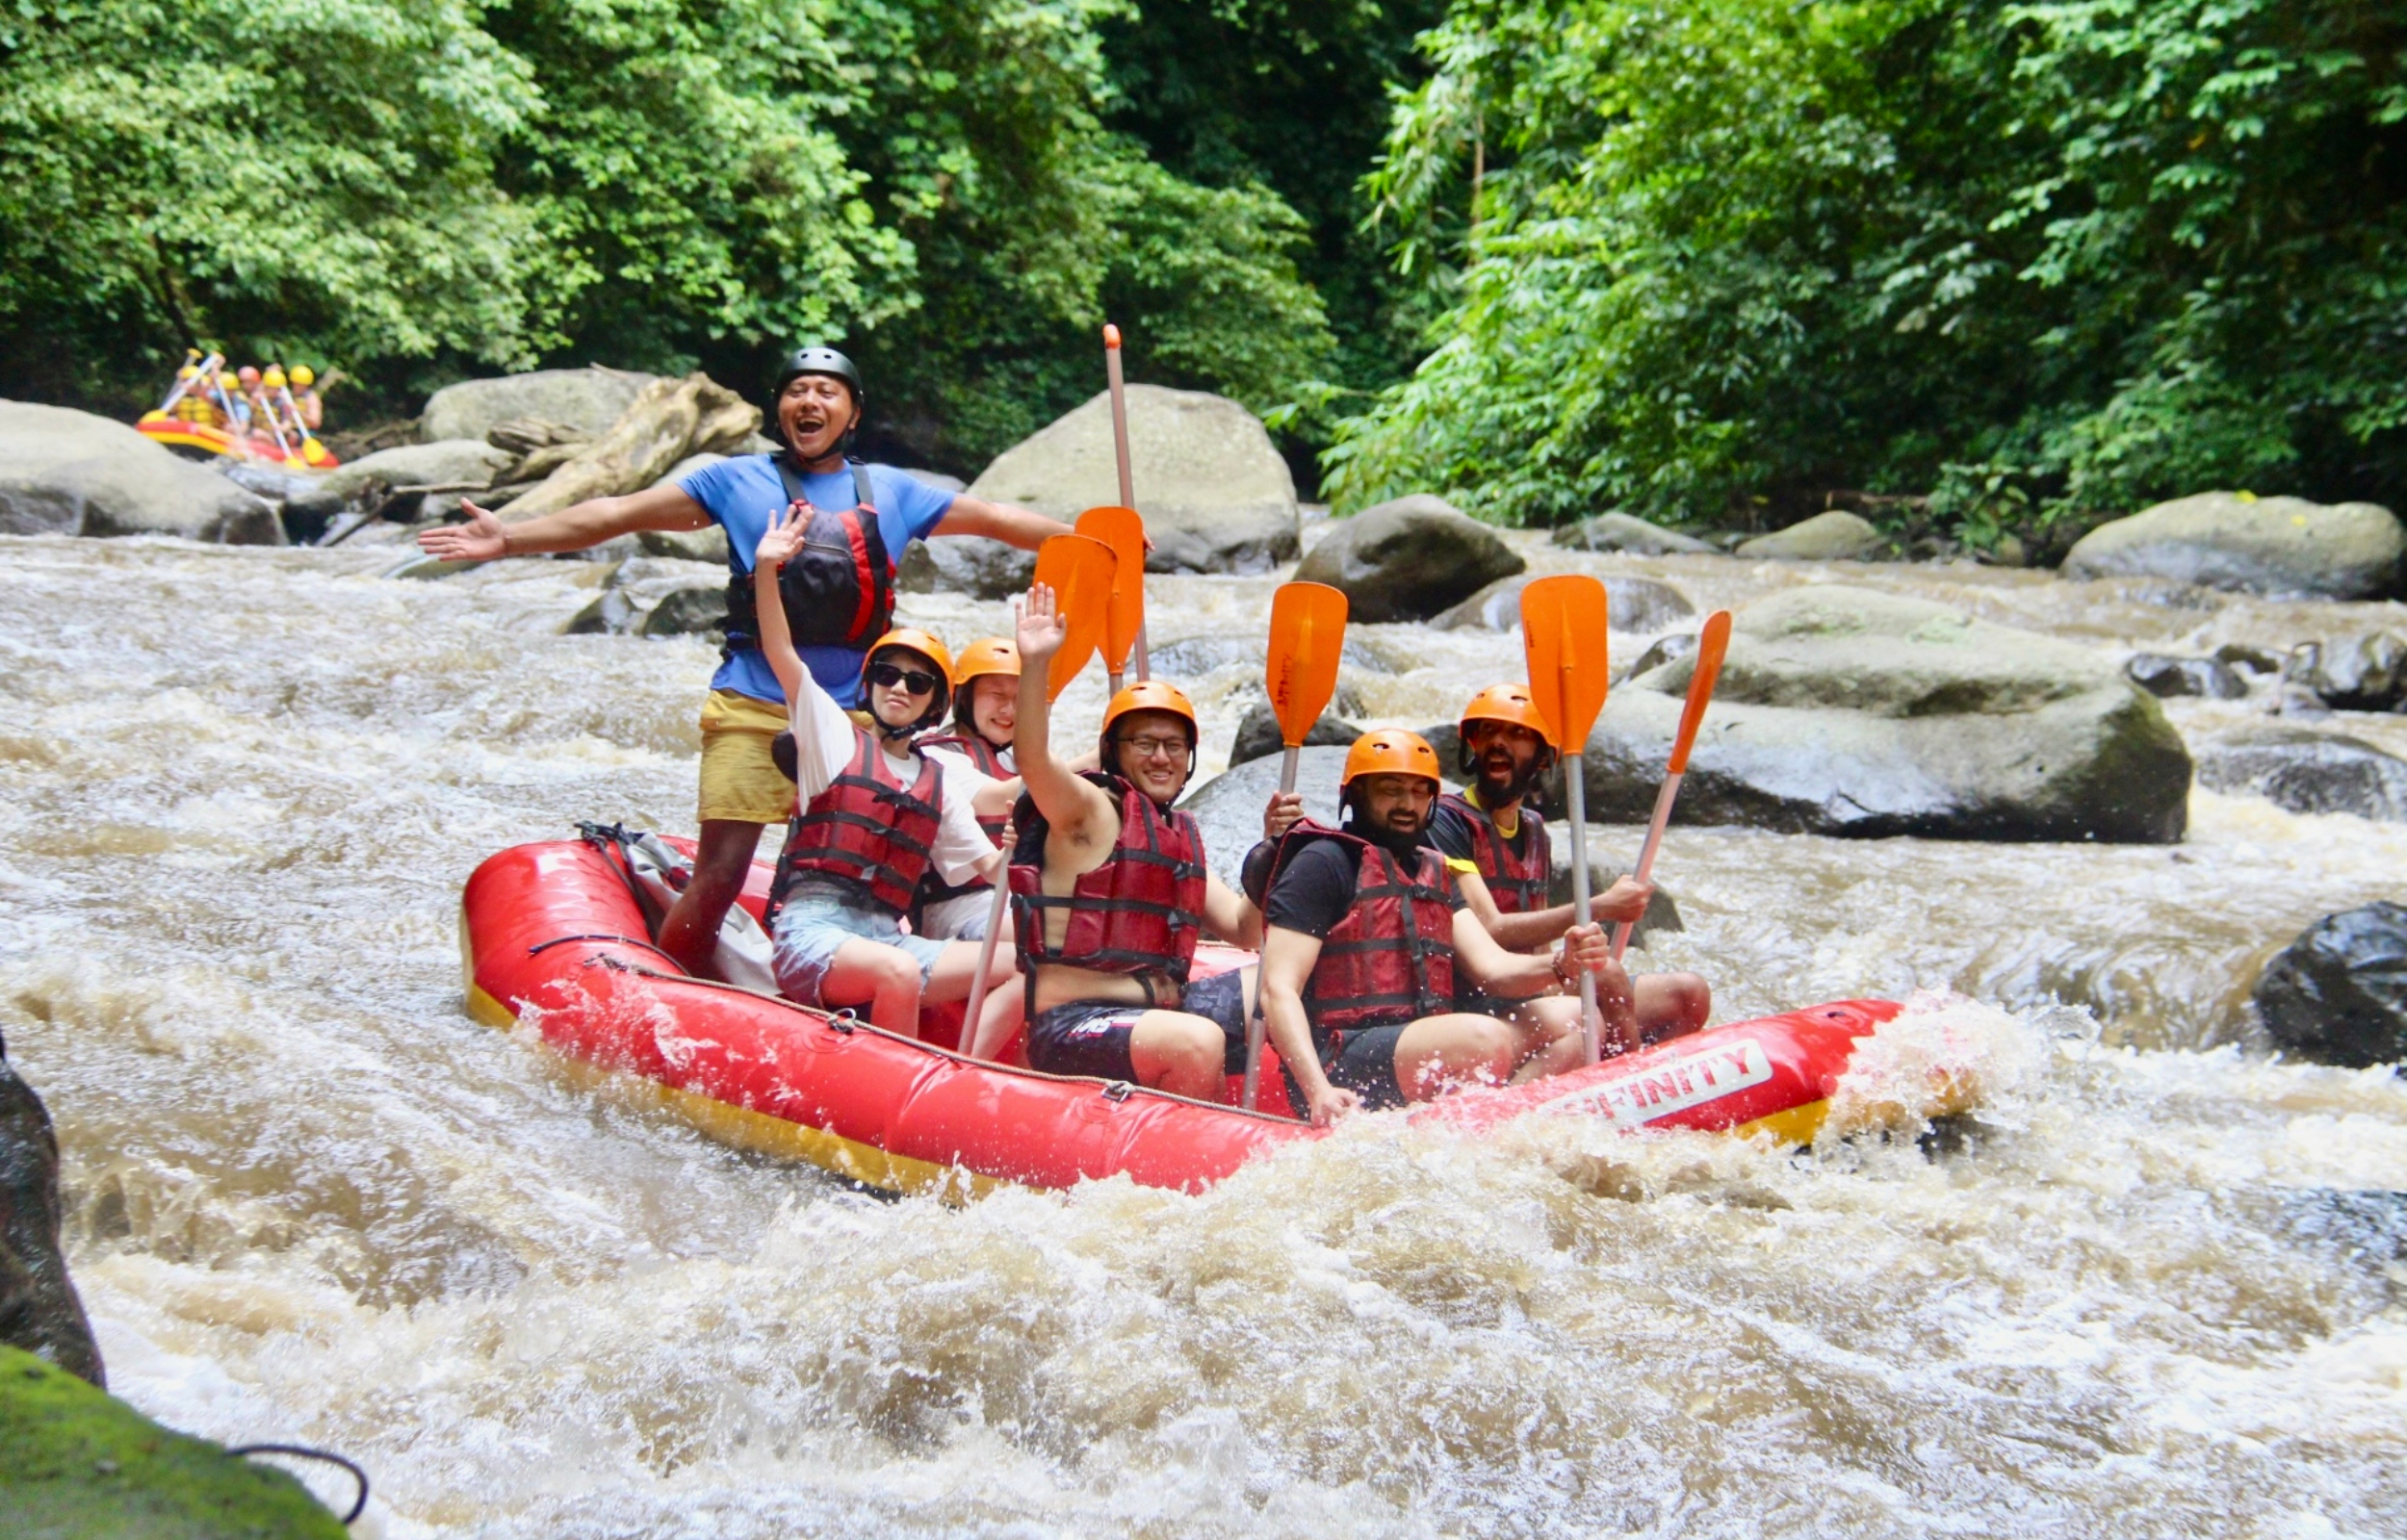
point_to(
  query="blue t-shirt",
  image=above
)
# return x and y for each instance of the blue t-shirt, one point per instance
(741, 494)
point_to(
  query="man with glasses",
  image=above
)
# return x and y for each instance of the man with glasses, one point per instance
(1495, 841)
(1110, 893)
(816, 409)
(876, 816)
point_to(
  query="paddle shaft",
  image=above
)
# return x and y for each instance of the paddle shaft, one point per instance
(986, 964)
(1575, 784)
(1663, 798)
(1255, 1027)
(1128, 478)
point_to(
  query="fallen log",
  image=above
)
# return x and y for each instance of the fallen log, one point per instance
(672, 419)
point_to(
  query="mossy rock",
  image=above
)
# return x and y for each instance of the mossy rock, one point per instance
(82, 1465)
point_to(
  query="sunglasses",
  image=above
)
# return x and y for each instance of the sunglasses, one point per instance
(886, 676)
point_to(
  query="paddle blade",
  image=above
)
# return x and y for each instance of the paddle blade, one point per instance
(1307, 633)
(1712, 642)
(1123, 530)
(1080, 572)
(1562, 635)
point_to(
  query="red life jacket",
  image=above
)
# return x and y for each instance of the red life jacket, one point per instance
(1392, 959)
(838, 589)
(1138, 914)
(868, 832)
(1517, 882)
(988, 759)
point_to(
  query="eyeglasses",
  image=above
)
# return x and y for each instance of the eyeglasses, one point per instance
(886, 676)
(1154, 748)
(1486, 730)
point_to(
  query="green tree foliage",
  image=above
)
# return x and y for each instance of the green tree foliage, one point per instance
(417, 188)
(1730, 256)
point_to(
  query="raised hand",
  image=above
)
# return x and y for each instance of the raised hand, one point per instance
(479, 539)
(1041, 628)
(1624, 902)
(781, 540)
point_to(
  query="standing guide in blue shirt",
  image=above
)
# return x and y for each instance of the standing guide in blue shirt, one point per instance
(865, 515)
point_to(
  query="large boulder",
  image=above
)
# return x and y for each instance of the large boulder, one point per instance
(1842, 711)
(965, 564)
(81, 1465)
(2337, 994)
(40, 1312)
(444, 463)
(1834, 536)
(65, 471)
(1409, 559)
(2285, 546)
(587, 401)
(2307, 772)
(1215, 494)
(1621, 531)
(1229, 806)
(1633, 604)
(1258, 731)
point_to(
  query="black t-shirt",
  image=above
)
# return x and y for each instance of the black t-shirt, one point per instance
(1450, 834)
(1315, 888)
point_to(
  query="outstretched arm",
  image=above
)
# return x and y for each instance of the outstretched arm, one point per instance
(1005, 522)
(484, 537)
(1074, 809)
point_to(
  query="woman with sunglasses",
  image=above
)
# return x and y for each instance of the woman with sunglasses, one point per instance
(876, 816)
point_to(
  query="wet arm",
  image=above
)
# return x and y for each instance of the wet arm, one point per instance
(588, 524)
(1506, 975)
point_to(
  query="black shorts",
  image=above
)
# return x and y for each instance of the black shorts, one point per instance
(1085, 1037)
(1220, 999)
(1365, 1063)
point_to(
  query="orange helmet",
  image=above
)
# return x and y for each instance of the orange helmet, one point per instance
(987, 655)
(1391, 752)
(1505, 703)
(911, 639)
(248, 375)
(1148, 695)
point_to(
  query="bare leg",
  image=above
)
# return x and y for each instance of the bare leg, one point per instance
(999, 1020)
(886, 978)
(1438, 1053)
(1671, 1005)
(689, 934)
(1180, 1053)
(950, 979)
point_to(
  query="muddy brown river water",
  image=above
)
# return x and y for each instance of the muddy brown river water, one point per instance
(312, 1200)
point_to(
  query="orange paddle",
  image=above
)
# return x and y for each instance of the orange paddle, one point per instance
(1080, 572)
(1308, 635)
(1123, 530)
(1127, 478)
(1712, 642)
(1562, 635)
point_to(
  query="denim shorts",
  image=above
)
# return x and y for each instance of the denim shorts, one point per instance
(810, 928)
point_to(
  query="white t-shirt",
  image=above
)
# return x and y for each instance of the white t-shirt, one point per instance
(962, 918)
(824, 740)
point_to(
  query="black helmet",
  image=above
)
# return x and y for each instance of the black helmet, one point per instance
(817, 361)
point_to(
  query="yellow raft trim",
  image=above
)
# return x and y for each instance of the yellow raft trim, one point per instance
(770, 1135)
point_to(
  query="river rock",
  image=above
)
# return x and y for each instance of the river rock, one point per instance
(2167, 677)
(1834, 536)
(65, 471)
(699, 610)
(2284, 546)
(1216, 496)
(1229, 806)
(1257, 732)
(965, 564)
(1842, 711)
(40, 1312)
(1621, 531)
(2307, 772)
(82, 1465)
(2364, 673)
(587, 401)
(1192, 658)
(1632, 604)
(446, 462)
(2337, 994)
(1407, 559)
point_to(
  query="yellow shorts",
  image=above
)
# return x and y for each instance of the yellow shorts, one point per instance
(739, 782)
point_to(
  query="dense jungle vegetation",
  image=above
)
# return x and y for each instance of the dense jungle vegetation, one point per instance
(1973, 266)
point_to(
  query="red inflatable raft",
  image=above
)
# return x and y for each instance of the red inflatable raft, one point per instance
(551, 934)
